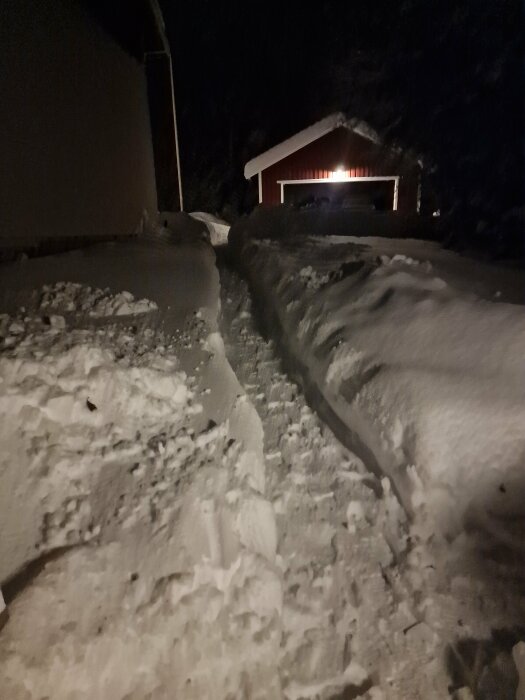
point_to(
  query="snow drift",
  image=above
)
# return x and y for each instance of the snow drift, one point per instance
(427, 376)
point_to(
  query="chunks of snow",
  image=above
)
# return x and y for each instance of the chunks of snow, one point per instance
(132, 440)
(44, 403)
(355, 511)
(66, 297)
(427, 376)
(313, 279)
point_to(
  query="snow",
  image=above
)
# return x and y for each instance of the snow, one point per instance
(518, 653)
(218, 228)
(467, 275)
(137, 555)
(47, 380)
(335, 597)
(177, 520)
(65, 297)
(423, 378)
(307, 136)
(416, 367)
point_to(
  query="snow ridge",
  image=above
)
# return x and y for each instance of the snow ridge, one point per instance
(429, 378)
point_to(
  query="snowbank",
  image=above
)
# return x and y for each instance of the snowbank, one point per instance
(137, 548)
(423, 379)
(428, 377)
(284, 221)
(218, 228)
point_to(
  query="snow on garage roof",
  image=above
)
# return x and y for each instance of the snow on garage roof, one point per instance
(306, 136)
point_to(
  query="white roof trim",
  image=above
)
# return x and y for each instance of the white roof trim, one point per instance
(303, 138)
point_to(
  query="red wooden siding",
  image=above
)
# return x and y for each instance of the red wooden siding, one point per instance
(358, 156)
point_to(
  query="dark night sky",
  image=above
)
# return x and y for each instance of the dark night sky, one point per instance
(262, 70)
(441, 76)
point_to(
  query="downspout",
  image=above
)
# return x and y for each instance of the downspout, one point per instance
(157, 13)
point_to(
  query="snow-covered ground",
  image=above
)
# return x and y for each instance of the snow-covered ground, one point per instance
(425, 379)
(171, 527)
(137, 549)
(351, 625)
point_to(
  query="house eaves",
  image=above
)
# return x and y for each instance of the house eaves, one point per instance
(307, 136)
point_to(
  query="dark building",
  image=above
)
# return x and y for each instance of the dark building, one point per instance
(88, 130)
(342, 163)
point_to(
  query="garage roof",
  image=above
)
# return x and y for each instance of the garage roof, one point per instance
(306, 136)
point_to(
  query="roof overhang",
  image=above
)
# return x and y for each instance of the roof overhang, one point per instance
(136, 26)
(159, 24)
(307, 136)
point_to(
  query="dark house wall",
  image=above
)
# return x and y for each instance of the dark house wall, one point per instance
(75, 142)
(342, 147)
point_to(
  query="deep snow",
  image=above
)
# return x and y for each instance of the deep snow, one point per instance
(424, 378)
(350, 619)
(137, 548)
(170, 529)
(217, 228)
(414, 365)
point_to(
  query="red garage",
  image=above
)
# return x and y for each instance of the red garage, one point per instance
(338, 162)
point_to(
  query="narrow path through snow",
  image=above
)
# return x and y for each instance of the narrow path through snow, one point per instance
(421, 616)
(348, 629)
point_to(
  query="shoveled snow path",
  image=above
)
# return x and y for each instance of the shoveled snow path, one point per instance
(348, 622)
